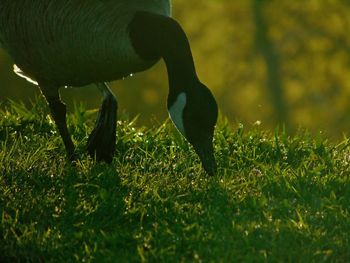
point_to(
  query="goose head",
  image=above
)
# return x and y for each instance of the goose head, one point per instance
(194, 112)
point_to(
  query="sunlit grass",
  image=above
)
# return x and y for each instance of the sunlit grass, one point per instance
(275, 197)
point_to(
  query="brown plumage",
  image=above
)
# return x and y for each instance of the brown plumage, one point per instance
(73, 42)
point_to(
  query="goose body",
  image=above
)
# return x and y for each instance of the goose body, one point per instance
(57, 43)
(71, 42)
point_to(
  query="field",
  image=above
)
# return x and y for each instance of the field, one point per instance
(275, 198)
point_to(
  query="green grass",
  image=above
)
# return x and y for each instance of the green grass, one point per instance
(276, 198)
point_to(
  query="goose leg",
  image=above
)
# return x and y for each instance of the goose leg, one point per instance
(58, 112)
(101, 142)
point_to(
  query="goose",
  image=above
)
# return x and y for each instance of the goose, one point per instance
(58, 43)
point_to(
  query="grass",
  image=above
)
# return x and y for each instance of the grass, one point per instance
(276, 198)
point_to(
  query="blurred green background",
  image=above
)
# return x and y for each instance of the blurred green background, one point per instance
(274, 62)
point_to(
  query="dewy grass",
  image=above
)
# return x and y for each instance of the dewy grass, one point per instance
(275, 198)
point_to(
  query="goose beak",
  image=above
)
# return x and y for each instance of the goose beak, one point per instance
(206, 155)
(209, 164)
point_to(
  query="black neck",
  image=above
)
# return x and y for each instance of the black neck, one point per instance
(154, 36)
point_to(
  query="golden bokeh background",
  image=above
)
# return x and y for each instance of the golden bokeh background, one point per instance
(276, 62)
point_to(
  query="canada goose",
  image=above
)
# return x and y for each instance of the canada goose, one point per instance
(57, 43)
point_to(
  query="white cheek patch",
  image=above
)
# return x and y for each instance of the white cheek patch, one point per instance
(176, 112)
